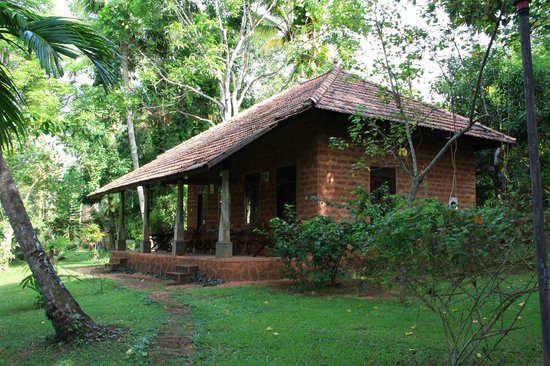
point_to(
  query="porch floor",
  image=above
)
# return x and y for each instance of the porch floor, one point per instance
(229, 269)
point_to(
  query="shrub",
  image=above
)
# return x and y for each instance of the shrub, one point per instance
(5, 254)
(312, 249)
(458, 263)
(90, 234)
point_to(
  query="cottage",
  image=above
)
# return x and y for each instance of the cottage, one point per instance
(243, 172)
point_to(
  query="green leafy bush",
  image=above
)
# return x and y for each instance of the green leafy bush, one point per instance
(6, 254)
(459, 264)
(427, 237)
(312, 249)
(90, 234)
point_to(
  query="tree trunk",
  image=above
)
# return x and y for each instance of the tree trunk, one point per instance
(414, 184)
(130, 123)
(61, 308)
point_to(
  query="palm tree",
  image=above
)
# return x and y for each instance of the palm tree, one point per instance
(49, 39)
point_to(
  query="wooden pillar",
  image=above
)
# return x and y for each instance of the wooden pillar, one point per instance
(146, 232)
(178, 246)
(224, 247)
(121, 240)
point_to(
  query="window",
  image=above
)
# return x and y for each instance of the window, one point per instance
(252, 198)
(382, 182)
(286, 189)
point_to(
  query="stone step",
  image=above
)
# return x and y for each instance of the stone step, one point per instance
(180, 277)
(112, 267)
(187, 268)
(121, 261)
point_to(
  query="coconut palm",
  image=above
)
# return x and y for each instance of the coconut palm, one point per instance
(49, 39)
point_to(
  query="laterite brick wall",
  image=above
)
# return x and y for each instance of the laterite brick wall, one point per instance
(328, 173)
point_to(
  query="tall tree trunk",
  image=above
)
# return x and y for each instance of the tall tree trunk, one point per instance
(68, 319)
(130, 122)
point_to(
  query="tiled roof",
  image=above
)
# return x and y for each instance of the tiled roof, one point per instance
(336, 91)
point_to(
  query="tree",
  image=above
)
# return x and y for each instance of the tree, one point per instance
(119, 12)
(49, 38)
(254, 48)
(402, 46)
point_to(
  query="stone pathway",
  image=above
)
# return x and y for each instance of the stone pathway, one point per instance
(173, 344)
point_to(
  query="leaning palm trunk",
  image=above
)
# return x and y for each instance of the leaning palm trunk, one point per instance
(61, 308)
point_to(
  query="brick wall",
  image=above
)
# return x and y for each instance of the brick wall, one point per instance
(293, 143)
(337, 177)
(325, 172)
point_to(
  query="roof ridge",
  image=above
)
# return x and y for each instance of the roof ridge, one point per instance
(323, 88)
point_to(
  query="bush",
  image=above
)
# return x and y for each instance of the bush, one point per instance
(6, 255)
(90, 234)
(312, 249)
(458, 263)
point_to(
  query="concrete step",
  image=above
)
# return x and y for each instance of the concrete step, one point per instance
(186, 268)
(179, 277)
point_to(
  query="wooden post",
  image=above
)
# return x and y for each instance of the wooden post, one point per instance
(121, 240)
(536, 185)
(224, 247)
(146, 232)
(178, 246)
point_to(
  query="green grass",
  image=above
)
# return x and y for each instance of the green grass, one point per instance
(232, 329)
(249, 325)
(26, 336)
(81, 258)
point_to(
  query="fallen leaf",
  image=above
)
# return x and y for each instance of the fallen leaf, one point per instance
(275, 333)
(408, 334)
(269, 329)
(129, 352)
(522, 304)
(475, 321)
(519, 317)
(478, 355)
(413, 326)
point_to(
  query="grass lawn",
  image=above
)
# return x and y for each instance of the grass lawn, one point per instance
(81, 258)
(258, 326)
(248, 325)
(25, 333)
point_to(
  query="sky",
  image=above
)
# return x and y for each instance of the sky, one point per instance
(61, 8)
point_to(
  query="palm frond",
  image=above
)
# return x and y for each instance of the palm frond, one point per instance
(11, 118)
(90, 6)
(50, 38)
